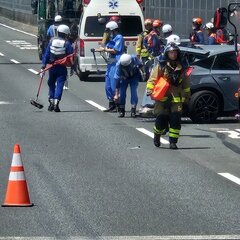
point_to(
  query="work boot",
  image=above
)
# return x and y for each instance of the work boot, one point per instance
(156, 140)
(121, 112)
(111, 107)
(56, 105)
(173, 146)
(51, 105)
(133, 112)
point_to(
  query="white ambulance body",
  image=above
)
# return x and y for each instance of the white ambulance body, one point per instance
(95, 16)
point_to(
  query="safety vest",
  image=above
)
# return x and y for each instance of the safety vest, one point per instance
(57, 49)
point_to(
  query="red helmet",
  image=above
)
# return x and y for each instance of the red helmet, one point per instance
(148, 21)
(115, 18)
(197, 21)
(157, 23)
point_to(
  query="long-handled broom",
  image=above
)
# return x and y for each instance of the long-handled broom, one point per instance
(66, 61)
(35, 101)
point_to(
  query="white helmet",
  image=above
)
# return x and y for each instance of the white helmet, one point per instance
(58, 18)
(167, 28)
(173, 38)
(125, 59)
(112, 25)
(63, 29)
(209, 26)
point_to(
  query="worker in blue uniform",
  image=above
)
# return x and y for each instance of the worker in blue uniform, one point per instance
(58, 48)
(115, 48)
(52, 30)
(128, 73)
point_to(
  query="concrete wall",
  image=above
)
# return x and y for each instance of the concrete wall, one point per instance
(18, 10)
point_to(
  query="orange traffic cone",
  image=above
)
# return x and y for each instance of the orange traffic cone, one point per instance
(17, 190)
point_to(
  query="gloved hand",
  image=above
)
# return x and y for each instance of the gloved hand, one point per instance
(149, 92)
(101, 49)
(42, 72)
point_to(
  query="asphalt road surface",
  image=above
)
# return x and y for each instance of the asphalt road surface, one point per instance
(92, 175)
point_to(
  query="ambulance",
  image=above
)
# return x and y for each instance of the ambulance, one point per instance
(96, 14)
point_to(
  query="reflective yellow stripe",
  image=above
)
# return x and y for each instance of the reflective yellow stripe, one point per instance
(138, 48)
(176, 99)
(144, 54)
(180, 80)
(173, 135)
(155, 130)
(150, 86)
(186, 90)
(173, 130)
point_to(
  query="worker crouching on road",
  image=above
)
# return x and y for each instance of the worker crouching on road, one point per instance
(58, 48)
(128, 73)
(169, 109)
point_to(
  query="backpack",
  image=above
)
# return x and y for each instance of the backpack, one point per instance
(220, 18)
(153, 43)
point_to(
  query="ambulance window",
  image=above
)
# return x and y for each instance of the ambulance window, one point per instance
(93, 28)
(129, 26)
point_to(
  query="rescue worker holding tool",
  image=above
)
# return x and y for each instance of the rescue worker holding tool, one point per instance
(141, 51)
(58, 48)
(128, 73)
(168, 108)
(115, 48)
(197, 36)
(106, 34)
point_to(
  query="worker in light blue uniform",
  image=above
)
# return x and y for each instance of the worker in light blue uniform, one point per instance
(115, 48)
(58, 48)
(128, 73)
(52, 30)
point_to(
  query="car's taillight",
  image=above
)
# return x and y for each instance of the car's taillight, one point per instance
(139, 1)
(82, 52)
(189, 71)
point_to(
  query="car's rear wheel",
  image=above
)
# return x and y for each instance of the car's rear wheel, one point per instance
(204, 107)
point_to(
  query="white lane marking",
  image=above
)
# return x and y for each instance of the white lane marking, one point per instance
(150, 134)
(1, 54)
(231, 134)
(231, 177)
(237, 130)
(33, 71)
(3, 103)
(219, 129)
(22, 44)
(17, 30)
(95, 105)
(168, 237)
(14, 61)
